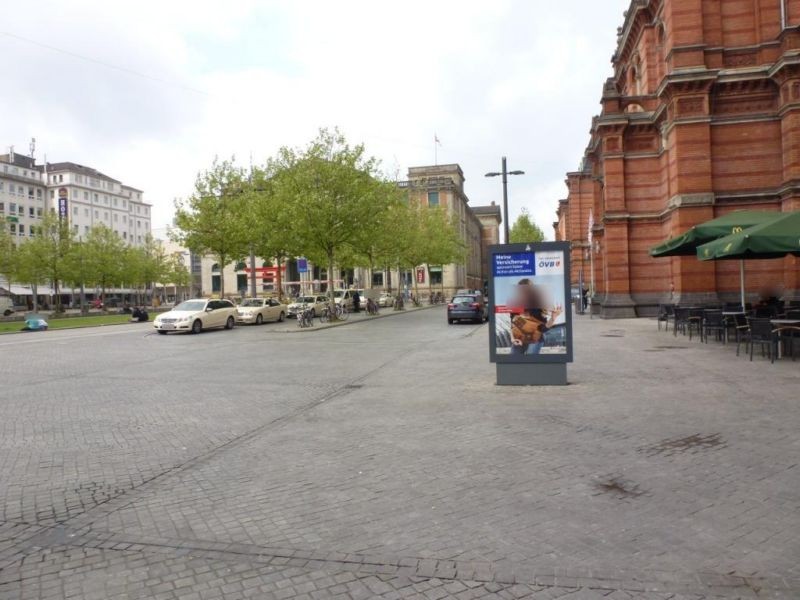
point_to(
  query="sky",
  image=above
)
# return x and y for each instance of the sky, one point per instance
(151, 92)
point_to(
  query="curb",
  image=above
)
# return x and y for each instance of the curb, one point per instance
(71, 328)
(386, 315)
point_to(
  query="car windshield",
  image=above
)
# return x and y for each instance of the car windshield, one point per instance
(306, 299)
(190, 306)
(463, 299)
(338, 294)
(253, 302)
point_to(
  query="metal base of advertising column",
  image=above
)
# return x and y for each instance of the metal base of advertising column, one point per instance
(531, 374)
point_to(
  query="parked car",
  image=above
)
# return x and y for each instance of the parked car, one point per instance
(345, 296)
(385, 299)
(316, 303)
(258, 310)
(196, 315)
(467, 307)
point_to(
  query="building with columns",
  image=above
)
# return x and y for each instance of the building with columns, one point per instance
(701, 117)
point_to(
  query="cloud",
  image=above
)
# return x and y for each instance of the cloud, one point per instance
(197, 79)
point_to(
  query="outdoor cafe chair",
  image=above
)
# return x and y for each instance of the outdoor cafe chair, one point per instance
(713, 322)
(741, 328)
(787, 336)
(666, 313)
(760, 332)
(688, 320)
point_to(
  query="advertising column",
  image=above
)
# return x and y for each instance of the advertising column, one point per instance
(530, 327)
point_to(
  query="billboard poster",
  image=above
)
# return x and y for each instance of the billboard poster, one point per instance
(530, 311)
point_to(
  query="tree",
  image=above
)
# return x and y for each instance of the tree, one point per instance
(8, 255)
(31, 268)
(525, 230)
(336, 192)
(430, 237)
(46, 254)
(103, 252)
(213, 220)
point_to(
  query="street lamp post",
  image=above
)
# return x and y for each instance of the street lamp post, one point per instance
(505, 173)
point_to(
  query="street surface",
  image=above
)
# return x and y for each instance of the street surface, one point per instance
(379, 460)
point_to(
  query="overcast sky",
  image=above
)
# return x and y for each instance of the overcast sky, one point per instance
(149, 92)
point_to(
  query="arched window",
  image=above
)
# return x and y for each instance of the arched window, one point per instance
(240, 266)
(215, 268)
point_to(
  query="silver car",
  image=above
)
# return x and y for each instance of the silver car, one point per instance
(197, 315)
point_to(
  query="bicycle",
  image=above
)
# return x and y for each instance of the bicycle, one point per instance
(305, 318)
(325, 315)
(372, 307)
(342, 312)
(398, 302)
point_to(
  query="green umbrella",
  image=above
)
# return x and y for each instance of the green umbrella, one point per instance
(686, 244)
(773, 239)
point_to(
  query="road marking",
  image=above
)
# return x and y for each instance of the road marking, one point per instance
(47, 336)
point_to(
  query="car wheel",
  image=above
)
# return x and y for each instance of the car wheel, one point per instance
(281, 317)
(229, 323)
(197, 326)
(162, 332)
(259, 319)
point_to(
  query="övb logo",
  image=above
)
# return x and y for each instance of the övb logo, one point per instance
(549, 264)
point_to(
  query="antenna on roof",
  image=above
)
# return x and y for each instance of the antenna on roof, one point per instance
(33, 151)
(11, 154)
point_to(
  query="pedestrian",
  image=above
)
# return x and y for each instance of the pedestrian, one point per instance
(356, 301)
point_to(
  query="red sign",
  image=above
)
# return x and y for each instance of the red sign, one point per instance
(420, 275)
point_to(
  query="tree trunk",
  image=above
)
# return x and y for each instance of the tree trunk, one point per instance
(35, 290)
(330, 287)
(221, 277)
(279, 279)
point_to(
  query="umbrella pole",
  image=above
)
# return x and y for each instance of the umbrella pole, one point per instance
(741, 282)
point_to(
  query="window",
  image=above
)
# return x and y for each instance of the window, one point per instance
(124, 219)
(95, 198)
(31, 212)
(240, 266)
(38, 194)
(124, 235)
(31, 231)
(138, 224)
(377, 279)
(436, 275)
(74, 193)
(39, 212)
(12, 207)
(12, 228)
(21, 210)
(96, 214)
(2, 207)
(124, 204)
(75, 210)
(75, 228)
(52, 194)
(433, 198)
(21, 229)
(85, 229)
(1, 186)
(30, 193)
(105, 199)
(60, 178)
(85, 195)
(116, 217)
(85, 212)
(114, 200)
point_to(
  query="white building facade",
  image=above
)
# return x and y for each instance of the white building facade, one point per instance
(28, 191)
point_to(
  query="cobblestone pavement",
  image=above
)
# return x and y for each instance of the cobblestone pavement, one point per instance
(379, 460)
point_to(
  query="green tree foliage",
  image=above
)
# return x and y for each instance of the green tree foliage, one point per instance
(8, 254)
(524, 230)
(104, 258)
(214, 219)
(44, 258)
(334, 192)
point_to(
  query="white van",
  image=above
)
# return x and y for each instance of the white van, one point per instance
(6, 306)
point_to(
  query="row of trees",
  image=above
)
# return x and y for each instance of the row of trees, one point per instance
(328, 202)
(101, 260)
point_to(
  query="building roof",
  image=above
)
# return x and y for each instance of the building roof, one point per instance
(491, 209)
(76, 168)
(133, 189)
(20, 160)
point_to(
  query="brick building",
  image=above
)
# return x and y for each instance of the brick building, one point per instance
(701, 117)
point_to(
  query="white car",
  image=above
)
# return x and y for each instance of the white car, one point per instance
(385, 300)
(258, 310)
(196, 315)
(316, 303)
(345, 296)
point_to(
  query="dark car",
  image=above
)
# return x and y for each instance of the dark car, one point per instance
(467, 307)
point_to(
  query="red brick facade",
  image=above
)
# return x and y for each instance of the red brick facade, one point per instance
(701, 117)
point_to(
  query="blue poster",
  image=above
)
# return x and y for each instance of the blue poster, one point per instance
(514, 264)
(302, 265)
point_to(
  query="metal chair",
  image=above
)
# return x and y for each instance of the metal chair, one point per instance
(666, 313)
(761, 333)
(713, 322)
(741, 328)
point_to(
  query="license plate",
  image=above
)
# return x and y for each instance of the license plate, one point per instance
(168, 326)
